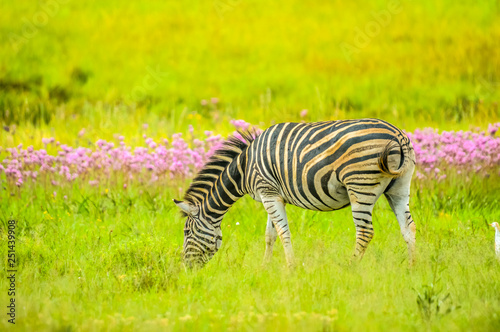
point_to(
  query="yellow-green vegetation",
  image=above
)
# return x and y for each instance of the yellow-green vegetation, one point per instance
(98, 259)
(113, 64)
(110, 260)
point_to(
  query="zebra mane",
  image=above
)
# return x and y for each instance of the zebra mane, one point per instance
(218, 162)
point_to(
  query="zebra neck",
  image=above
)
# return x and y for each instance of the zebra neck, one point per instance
(227, 188)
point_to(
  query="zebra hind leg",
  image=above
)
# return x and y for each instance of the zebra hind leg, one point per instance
(271, 236)
(275, 208)
(362, 217)
(400, 205)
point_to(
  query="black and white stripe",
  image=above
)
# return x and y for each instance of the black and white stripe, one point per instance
(322, 166)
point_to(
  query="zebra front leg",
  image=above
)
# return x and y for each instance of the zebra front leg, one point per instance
(400, 205)
(271, 236)
(275, 208)
(362, 217)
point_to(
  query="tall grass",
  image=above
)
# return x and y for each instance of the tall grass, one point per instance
(109, 259)
(91, 64)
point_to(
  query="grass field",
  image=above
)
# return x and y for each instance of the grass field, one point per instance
(105, 257)
(115, 65)
(110, 260)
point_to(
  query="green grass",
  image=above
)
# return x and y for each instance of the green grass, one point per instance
(110, 260)
(433, 63)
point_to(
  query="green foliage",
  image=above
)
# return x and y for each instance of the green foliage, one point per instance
(432, 304)
(91, 63)
(110, 260)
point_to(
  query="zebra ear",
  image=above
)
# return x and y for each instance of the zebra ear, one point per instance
(186, 207)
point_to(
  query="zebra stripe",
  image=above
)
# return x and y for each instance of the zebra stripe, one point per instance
(322, 166)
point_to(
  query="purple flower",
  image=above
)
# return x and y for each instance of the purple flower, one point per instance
(437, 155)
(240, 124)
(492, 129)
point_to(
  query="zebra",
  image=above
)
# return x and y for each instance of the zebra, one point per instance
(321, 166)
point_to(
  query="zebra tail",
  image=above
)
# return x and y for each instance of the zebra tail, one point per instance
(383, 163)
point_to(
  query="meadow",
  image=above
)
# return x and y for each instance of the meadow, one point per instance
(108, 109)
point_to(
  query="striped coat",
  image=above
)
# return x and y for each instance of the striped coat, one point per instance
(322, 166)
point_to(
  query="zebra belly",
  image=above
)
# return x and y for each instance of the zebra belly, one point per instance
(330, 197)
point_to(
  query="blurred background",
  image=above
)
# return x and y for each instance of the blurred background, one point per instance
(111, 66)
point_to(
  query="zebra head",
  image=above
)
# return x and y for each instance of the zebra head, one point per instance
(201, 238)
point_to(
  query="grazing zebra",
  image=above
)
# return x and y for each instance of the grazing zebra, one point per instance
(321, 166)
